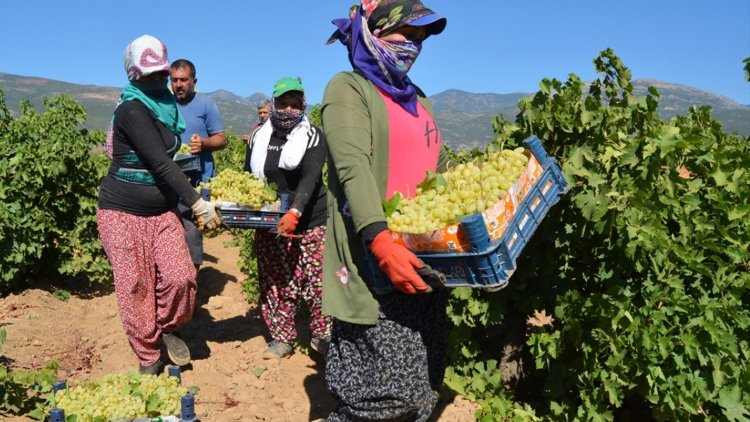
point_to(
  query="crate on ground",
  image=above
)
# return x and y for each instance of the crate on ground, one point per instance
(186, 411)
(246, 217)
(489, 262)
(188, 162)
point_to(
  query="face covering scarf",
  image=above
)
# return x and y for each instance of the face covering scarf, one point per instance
(398, 54)
(285, 120)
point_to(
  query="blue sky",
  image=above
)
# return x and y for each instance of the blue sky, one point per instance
(488, 46)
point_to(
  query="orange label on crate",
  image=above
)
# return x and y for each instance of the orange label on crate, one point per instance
(446, 239)
(497, 217)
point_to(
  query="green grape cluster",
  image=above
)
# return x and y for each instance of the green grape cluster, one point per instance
(240, 187)
(184, 149)
(462, 190)
(122, 396)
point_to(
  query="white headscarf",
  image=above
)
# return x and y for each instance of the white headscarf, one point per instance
(144, 56)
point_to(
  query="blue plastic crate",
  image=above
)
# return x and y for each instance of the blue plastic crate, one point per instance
(491, 263)
(188, 162)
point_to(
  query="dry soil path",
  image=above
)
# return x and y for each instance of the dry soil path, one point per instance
(226, 338)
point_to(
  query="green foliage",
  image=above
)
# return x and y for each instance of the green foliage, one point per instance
(249, 265)
(51, 171)
(24, 391)
(233, 157)
(62, 295)
(482, 382)
(645, 261)
(314, 114)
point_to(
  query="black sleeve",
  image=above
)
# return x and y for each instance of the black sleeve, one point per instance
(312, 168)
(147, 135)
(370, 231)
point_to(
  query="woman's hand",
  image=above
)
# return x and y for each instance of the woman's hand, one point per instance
(288, 223)
(206, 215)
(399, 264)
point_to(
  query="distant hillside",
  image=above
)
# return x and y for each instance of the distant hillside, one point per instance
(465, 118)
(677, 99)
(237, 112)
(98, 100)
(467, 102)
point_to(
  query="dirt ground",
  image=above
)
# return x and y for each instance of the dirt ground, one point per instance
(226, 339)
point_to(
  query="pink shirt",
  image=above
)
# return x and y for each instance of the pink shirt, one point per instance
(414, 146)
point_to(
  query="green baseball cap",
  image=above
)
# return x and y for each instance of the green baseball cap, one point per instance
(286, 84)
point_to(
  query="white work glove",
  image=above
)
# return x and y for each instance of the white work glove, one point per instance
(219, 203)
(206, 215)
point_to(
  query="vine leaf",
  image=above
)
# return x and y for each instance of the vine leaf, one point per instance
(391, 205)
(731, 401)
(432, 181)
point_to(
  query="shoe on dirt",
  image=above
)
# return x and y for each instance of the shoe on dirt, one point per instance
(177, 350)
(153, 369)
(277, 350)
(320, 345)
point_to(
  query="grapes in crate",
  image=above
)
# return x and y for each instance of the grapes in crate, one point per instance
(240, 187)
(122, 396)
(443, 199)
(184, 149)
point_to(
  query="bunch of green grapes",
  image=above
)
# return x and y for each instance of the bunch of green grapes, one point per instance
(463, 190)
(122, 396)
(240, 187)
(184, 149)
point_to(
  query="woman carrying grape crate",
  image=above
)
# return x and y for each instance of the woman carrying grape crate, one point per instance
(387, 354)
(137, 215)
(289, 152)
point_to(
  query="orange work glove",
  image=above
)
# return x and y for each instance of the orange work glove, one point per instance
(287, 224)
(398, 263)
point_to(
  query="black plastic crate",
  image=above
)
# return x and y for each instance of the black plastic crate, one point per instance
(245, 217)
(250, 219)
(188, 162)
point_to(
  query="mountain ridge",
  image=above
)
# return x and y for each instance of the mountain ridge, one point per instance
(465, 118)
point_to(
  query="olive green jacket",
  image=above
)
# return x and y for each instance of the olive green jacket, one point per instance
(355, 121)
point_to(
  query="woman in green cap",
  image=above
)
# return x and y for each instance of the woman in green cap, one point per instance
(387, 355)
(289, 152)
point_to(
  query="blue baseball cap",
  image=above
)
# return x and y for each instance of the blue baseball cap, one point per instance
(435, 23)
